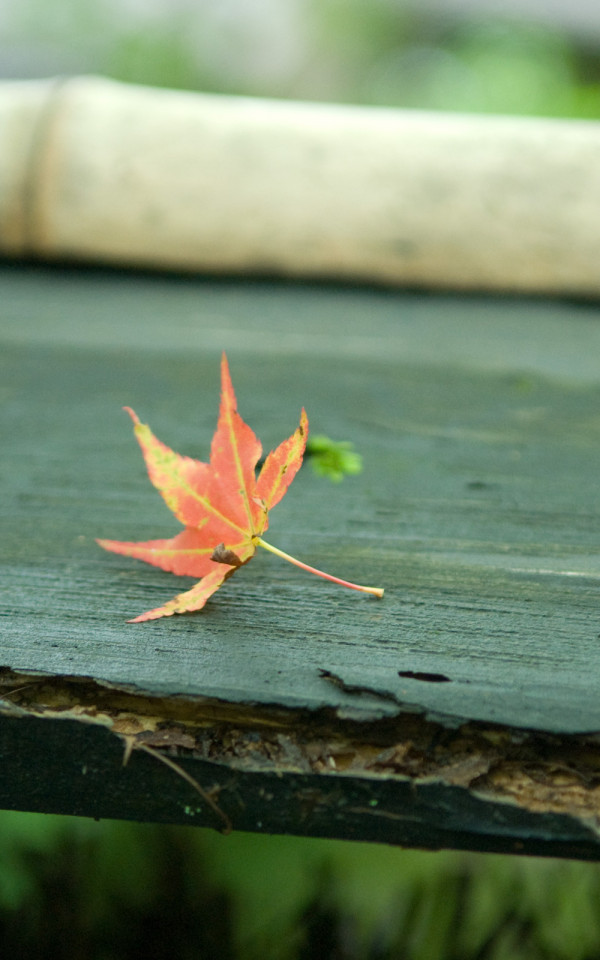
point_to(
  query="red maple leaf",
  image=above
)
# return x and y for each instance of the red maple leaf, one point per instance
(222, 505)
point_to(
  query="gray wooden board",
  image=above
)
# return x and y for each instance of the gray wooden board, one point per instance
(76, 768)
(477, 509)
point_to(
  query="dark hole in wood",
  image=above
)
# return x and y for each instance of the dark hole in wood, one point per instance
(427, 677)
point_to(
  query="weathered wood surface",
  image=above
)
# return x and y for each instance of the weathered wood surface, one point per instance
(477, 510)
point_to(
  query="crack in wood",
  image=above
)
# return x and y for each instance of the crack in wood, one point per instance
(540, 773)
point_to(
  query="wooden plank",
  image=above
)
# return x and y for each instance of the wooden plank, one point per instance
(476, 510)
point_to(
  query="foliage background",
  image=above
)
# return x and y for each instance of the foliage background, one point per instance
(79, 890)
(526, 57)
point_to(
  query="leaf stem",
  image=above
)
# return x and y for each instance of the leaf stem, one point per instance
(376, 591)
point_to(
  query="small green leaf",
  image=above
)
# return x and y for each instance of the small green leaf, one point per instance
(333, 458)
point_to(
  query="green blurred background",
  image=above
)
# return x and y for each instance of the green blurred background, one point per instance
(73, 889)
(78, 889)
(500, 56)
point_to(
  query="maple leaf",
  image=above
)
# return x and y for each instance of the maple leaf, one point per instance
(221, 504)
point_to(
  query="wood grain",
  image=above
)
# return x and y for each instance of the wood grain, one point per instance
(477, 508)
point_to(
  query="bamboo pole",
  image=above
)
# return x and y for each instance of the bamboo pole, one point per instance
(94, 170)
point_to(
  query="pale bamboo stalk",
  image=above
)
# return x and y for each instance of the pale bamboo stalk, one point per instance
(99, 171)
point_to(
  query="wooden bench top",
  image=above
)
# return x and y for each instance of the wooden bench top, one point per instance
(462, 710)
